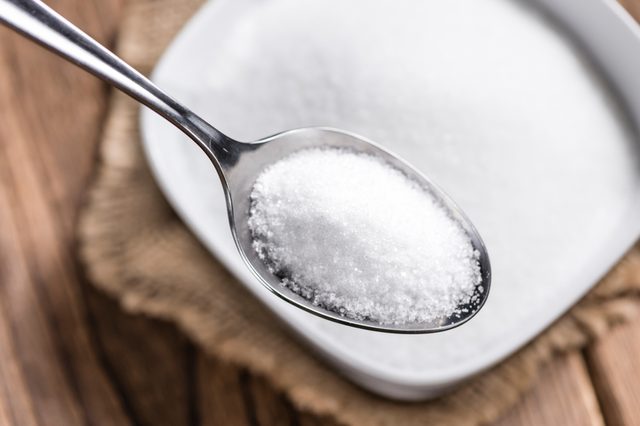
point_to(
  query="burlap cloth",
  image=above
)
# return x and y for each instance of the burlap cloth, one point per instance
(138, 251)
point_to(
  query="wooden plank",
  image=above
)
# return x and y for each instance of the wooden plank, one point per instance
(150, 362)
(30, 342)
(229, 395)
(222, 394)
(51, 373)
(270, 407)
(614, 362)
(563, 396)
(14, 401)
(59, 106)
(307, 419)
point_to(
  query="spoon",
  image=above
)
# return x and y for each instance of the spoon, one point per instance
(238, 163)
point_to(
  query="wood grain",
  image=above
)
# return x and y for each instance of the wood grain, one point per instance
(229, 395)
(563, 396)
(50, 114)
(151, 364)
(269, 406)
(70, 356)
(223, 397)
(615, 366)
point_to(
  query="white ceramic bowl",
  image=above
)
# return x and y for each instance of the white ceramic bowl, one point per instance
(198, 67)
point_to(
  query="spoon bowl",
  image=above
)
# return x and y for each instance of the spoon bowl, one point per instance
(238, 164)
(239, 175)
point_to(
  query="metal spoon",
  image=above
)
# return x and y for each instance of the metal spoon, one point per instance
(238, 163)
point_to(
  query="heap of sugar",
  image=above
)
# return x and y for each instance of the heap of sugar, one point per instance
(356, 236)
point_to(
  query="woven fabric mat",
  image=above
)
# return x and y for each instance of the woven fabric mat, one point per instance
(138, 251)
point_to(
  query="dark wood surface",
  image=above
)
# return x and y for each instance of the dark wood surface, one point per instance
(70, 356)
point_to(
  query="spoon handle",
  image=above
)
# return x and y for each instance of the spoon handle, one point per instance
(37, 21)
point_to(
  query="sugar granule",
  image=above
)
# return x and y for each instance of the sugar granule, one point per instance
(354, 235)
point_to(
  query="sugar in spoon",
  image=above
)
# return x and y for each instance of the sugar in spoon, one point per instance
(238, 164)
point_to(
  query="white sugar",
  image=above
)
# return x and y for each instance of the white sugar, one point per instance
(487, 97)
(356, 236)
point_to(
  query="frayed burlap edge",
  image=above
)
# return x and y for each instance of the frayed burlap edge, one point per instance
(137, 250)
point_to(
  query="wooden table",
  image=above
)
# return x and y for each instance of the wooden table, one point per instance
(69, 356)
